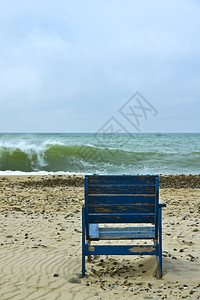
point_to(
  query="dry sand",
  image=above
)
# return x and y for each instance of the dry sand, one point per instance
(40, 244)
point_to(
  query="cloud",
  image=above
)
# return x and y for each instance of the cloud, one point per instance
(82, 59)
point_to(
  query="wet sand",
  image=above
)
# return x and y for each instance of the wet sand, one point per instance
(40, 244)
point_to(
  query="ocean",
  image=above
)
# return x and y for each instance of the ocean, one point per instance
(88, 153)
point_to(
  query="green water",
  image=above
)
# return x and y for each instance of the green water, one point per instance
(100, 153)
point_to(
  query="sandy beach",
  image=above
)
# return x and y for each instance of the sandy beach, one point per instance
(40, 244)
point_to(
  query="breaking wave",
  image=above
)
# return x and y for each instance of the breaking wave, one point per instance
(56, 156)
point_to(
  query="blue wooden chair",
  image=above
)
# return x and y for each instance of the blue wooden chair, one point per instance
(122, 199)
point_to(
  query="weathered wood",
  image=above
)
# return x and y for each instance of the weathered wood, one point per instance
(122, 199)
(137, 228)
(120, 189)
(119, 199)
(121, 250)
(126, 233)
(112, 208)
(121, 218)
(117, 233)
(126, 179)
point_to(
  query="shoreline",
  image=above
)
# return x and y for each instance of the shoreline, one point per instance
(40, 248)
(165, 181)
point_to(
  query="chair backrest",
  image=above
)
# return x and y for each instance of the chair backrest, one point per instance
(121, 198)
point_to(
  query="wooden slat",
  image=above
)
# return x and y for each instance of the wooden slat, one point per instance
(119, 199)
(126, 233)
(126, 179)
(120, 189)
(121, 250)
(138, 228)
(122, 218)
(112, 208)
(116, 233)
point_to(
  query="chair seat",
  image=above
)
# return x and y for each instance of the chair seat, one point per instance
(119, 233)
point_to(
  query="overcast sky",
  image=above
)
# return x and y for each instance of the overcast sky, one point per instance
(69, 66)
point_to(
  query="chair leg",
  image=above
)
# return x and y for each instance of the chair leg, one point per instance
(89, 259)
(160, 243)
(83, 265)
(83, 242)
(157, 271)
